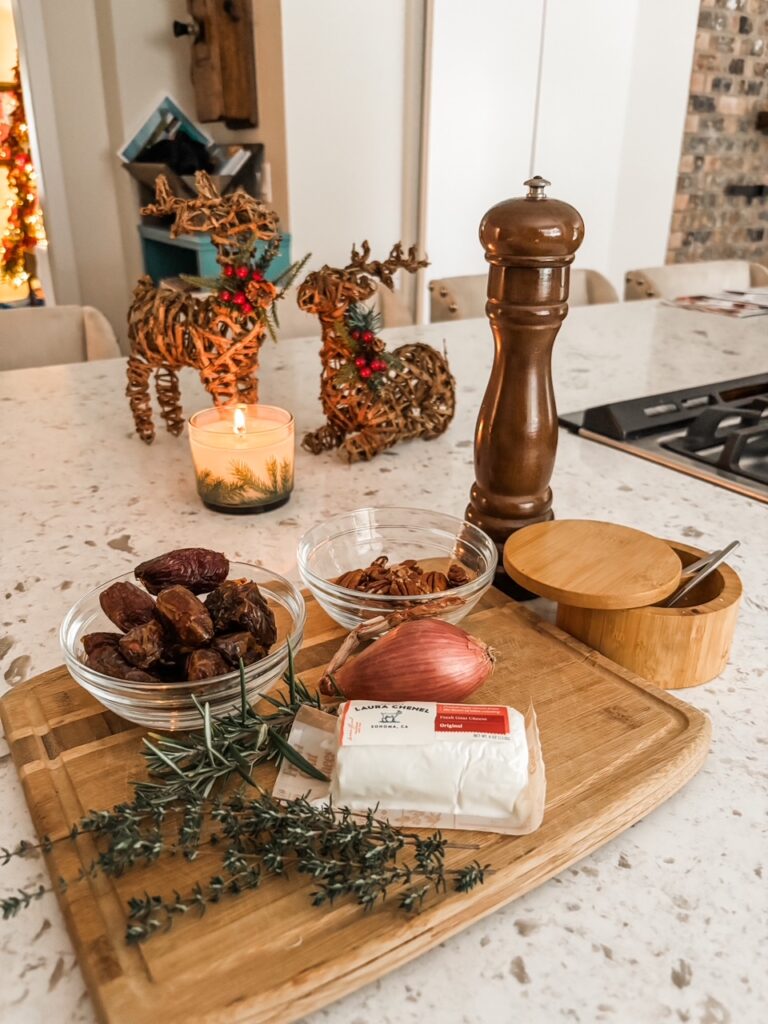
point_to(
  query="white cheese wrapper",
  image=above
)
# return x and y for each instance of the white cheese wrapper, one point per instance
(463, 766)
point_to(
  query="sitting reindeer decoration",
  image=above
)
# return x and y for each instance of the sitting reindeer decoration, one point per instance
(219, 335)
(372, 398)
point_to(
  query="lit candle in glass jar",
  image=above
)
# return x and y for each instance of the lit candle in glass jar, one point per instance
(243, 456)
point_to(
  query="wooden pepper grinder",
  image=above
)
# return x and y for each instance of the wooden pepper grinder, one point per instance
(529, 243)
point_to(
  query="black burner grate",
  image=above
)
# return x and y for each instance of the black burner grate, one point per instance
(734, 438)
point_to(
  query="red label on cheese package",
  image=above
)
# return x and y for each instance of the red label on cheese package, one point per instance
(471, 718)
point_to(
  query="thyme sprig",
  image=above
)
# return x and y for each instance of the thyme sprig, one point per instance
(184, 807)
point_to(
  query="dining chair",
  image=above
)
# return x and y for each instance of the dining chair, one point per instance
(678, 279)
(463, 298)
(46, 335)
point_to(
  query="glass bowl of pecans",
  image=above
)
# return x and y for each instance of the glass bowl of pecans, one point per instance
(380, 561)
(148, 649)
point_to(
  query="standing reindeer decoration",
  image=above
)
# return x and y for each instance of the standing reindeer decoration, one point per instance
(372, 398)
(219, 335)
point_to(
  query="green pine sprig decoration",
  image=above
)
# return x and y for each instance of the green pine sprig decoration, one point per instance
(363, 318)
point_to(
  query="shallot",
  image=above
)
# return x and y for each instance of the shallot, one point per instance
(423, 660)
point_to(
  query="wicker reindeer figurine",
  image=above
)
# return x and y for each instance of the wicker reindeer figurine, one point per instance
(372, 398)
(219, 335)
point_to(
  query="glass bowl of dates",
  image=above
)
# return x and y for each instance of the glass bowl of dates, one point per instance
(149, 645)
(379, 561)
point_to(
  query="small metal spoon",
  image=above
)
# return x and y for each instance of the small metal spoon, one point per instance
(702, 568)
(700, 563)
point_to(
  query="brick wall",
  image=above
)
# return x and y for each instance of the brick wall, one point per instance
(721, 145)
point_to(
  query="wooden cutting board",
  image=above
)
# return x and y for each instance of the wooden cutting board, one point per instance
(614, 748)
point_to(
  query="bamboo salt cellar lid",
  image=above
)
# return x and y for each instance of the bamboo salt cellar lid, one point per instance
(584, 563)
(529, 242)
(610, 583)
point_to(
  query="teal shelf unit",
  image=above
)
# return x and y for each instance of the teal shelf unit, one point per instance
(194, 254)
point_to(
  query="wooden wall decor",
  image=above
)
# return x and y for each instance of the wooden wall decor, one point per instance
(223, 61)
(219, 335)
(372, 398)
(529, 243)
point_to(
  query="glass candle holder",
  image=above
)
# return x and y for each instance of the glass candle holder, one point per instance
(243, 457)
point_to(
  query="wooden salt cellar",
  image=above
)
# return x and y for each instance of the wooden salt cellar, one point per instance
(529, 242)
(611, 584)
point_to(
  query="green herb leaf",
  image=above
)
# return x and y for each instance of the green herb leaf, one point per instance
(298, 760)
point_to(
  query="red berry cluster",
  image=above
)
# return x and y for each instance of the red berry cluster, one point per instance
(367, 366)
(239, 276)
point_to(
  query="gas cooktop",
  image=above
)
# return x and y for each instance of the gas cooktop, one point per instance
(717, 432)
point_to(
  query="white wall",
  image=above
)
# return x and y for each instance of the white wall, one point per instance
(653, 132)
(586, 71)
(76, 163)
(344, 66)
(483, 92)
(612, 102)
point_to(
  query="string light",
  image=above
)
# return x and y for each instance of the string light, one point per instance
(25, 229)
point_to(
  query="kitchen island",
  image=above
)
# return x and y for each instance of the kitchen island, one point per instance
(660, 924)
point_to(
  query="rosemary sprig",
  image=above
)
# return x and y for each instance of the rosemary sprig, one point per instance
(181, 809)
(233, 744)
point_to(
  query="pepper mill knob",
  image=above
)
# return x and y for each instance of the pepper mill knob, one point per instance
(530, 242)
(536, 186)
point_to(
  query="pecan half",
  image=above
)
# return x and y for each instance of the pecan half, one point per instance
(457, 575)
(435, 582)
(351, 580)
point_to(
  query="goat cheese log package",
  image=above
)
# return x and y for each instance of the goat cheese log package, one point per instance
(467, 766)
(440, 758)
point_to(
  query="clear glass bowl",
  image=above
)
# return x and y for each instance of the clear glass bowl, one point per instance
(353, 540)
(170, 706)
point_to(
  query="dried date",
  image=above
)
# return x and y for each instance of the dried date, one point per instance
(205, 663)
(197, 569)
(185, 615)
(239, 605)
(109, 661)
(126, 605)
(92, 641)
(145, 645)
(234, 646)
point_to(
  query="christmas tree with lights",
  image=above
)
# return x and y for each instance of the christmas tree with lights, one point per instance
(24, 228)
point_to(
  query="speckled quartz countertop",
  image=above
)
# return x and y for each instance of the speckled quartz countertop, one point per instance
(665, 923)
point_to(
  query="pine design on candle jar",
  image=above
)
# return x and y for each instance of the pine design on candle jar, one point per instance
(243, 457)
(245, 484)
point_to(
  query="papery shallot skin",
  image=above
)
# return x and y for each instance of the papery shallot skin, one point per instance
(421, 660)
(126, 605)
(197, 569)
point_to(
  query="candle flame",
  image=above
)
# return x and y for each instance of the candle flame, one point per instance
(239, 424)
